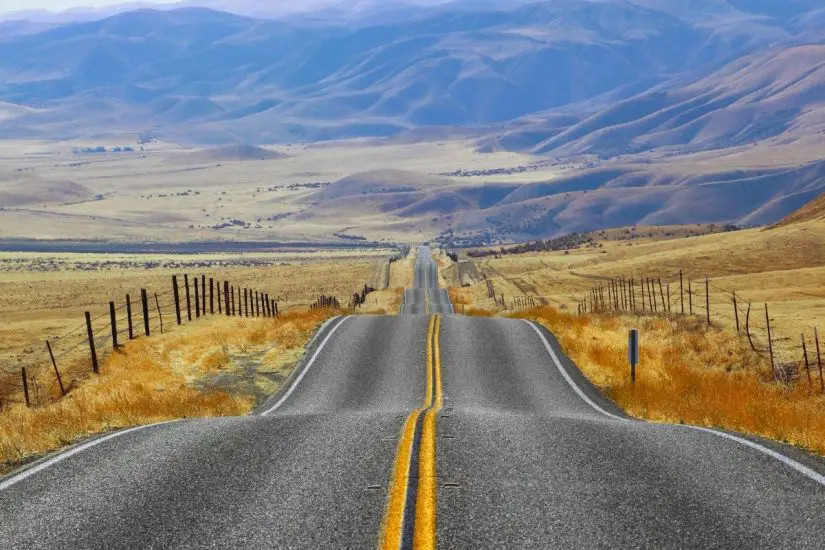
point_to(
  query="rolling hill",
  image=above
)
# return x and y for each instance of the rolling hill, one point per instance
(196, 75)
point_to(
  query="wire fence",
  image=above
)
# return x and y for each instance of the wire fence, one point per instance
(68, 359)
(673, 294)
(71, 357)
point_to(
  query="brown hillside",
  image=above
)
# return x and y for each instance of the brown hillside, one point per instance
(814, 210)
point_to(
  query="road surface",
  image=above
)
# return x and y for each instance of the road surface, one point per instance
(420, 429)
(426, 296)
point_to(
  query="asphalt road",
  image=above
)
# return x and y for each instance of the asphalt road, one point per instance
(426, 296)
(478, 429)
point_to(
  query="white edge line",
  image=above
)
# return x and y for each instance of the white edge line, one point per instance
(71, 452)
(311, 361)
(791, 463)
(566, 376)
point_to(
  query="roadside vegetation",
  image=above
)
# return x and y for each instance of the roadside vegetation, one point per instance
(689, 374)
(222, 368)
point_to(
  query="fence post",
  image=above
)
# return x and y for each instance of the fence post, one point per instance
(232, 297)
(91, 335)
(770, 341)
(707, 298)
(203, 294)
(56, 371)
(226, 298)
(113, 319)
(246, 302)
(278, 314)
(176, 292)
(642, 285)
(212, 296)
(268, 306)
(736, 312)
(682, 291)
(197, 299)
(129, 317)
(662, 294)
(188, 302)
(25, 386)
(807, 365)
(690, 296)
(160, 314)
(668, 297)
(652, 295)
(819, 361)
(144, 299)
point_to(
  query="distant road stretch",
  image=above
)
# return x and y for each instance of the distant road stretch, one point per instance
(420, 430)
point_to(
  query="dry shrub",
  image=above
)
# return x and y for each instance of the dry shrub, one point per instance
(689, 373)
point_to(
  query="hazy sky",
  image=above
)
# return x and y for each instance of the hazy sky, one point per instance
(56, 5)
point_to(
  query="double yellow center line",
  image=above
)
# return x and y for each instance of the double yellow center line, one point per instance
(410, 522)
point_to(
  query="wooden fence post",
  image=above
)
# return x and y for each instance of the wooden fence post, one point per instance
(176, 292)
(770, 341)
(246, 302)
(807, 365)
(226, 298)
(188, 302)
(91, 336)
(736, 312)
(642, 285)
(25, 386)
(707, 298)
(682, 291)
(662, 294)
(668, 297)
(212, 296)
(197, 299)
(278, 313)
(203, 294)
(232, 297)
(129, 317)
(144, 299)
(56, 371)
(113, 319)
(160, 314)
(690, 296)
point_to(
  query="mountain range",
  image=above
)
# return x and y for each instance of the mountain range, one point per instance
(679, 112)
(619, 70)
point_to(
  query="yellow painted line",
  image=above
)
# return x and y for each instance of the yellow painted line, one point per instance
(428, 398)
(426, 504)
(392, 529)
(393, 526)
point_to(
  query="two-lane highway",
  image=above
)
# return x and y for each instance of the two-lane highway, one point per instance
(416, 431)
(426, 296)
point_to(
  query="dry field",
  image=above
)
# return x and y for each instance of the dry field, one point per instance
(44, 296)
(784, 267)
(166, 193)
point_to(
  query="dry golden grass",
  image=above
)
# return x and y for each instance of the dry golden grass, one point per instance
(44, 295)
(783, 267)
(689, 374)
(163, 378)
